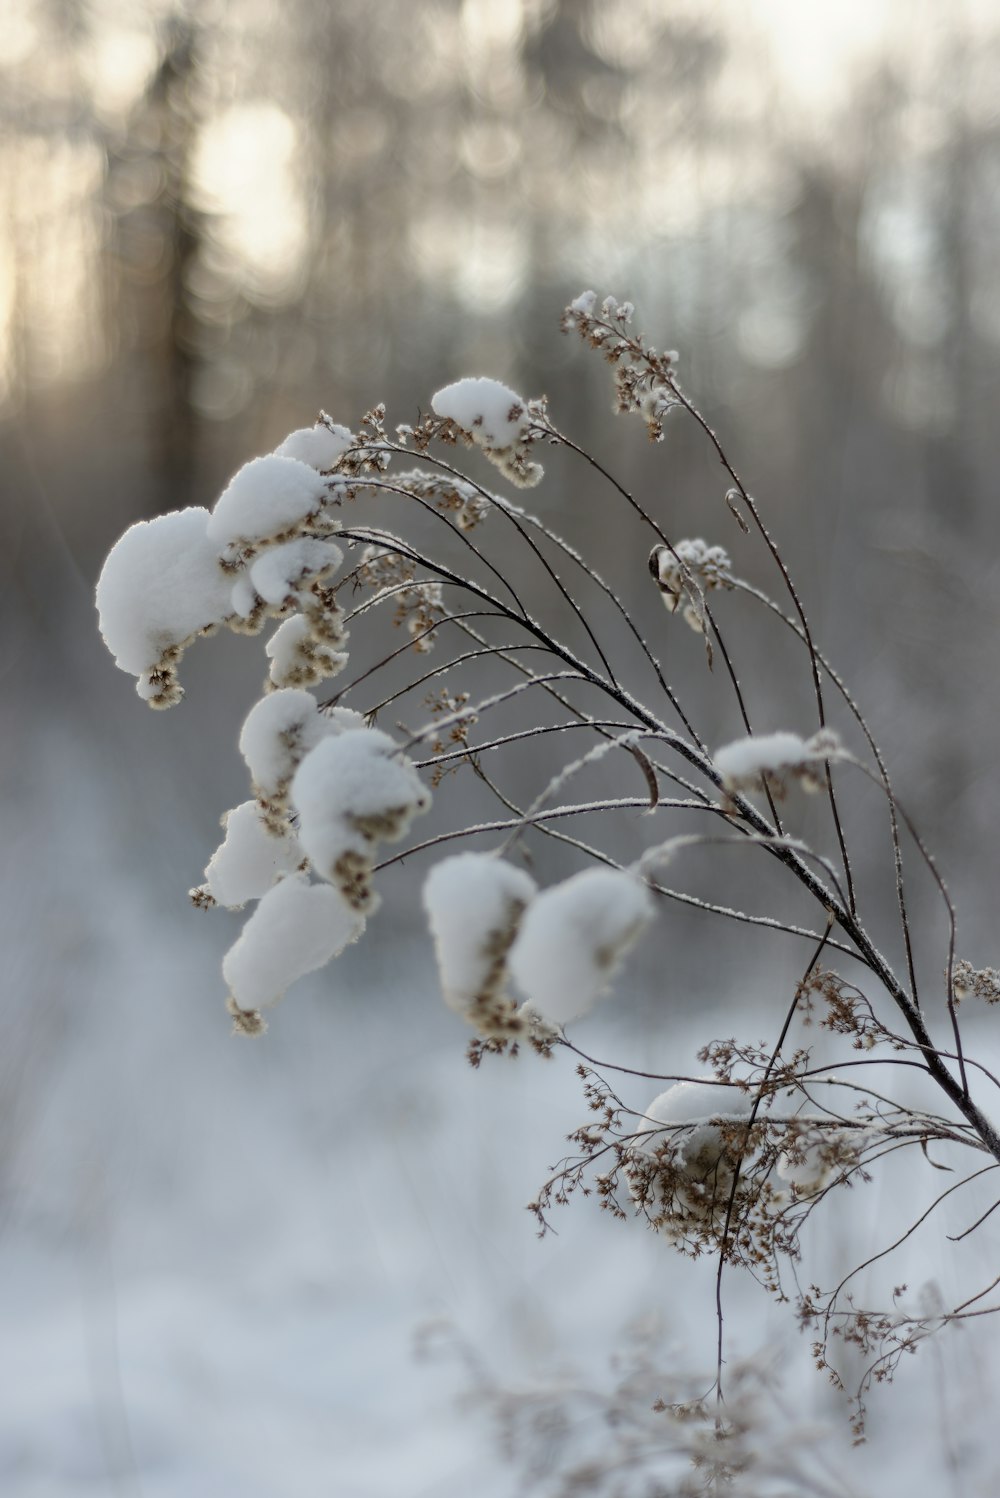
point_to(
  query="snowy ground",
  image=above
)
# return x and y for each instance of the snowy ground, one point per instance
(219, 1258)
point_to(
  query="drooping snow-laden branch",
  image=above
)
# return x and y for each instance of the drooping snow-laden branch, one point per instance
(338, 537)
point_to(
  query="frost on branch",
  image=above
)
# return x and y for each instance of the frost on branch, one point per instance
(497, 420)
(687, 571)
(779, 758)
(573, 939)
(351, 793)
(248, 861)
(467, 504)
(161, 586)
(474, 905)
(296, 928)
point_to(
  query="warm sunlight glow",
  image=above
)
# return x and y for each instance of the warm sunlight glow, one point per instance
(245, 173)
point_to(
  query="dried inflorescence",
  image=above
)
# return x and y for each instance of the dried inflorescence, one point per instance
(981, 983)
(460, 718)
(644, 379)
(466, 503)
(816, 1154)
(685, 573)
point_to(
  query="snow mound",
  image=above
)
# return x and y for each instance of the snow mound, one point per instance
(278, 733)
(319, 446)
(474, 905)
(779, 756)
(281, 570)
(265, 498)
(352, 792)
(161, 585)
(573, 939)
(250, 859)
(493, 415)
(297, 928)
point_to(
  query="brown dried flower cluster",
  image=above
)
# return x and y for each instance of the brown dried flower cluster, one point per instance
(644, 379)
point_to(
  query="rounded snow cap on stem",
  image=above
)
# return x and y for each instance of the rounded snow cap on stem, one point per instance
(297, 928)
(574, 938)
(248, 861)
(779, 758)
(161, 586)
(686, 1148)
(474, 904)
(353, 792)
(319, 446)
(498, 420)
(268, 497)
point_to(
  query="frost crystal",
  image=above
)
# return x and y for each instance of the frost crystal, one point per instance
(268, 497)
(573, 939)
(353, 792)
(319, 446)
(250, 859)
(161, 585)
(779, 757)
(474, 904)
(296, 928)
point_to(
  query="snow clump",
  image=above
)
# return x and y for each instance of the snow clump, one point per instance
(280, 571)
(319, 446)
(277, 734)
(161, 585)
(687, 1146)
(474, 905)
(351, 793)
(268, 497)
(779, 757)
(297, 928)
(573, 939)
(297, 658)
(248, 861)
(497, 420)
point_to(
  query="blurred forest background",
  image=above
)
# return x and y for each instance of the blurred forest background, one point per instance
(217, 219)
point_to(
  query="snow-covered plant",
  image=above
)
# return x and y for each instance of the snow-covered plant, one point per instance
(338, 535)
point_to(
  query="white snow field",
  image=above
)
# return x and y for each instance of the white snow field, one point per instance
(219, 1257)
